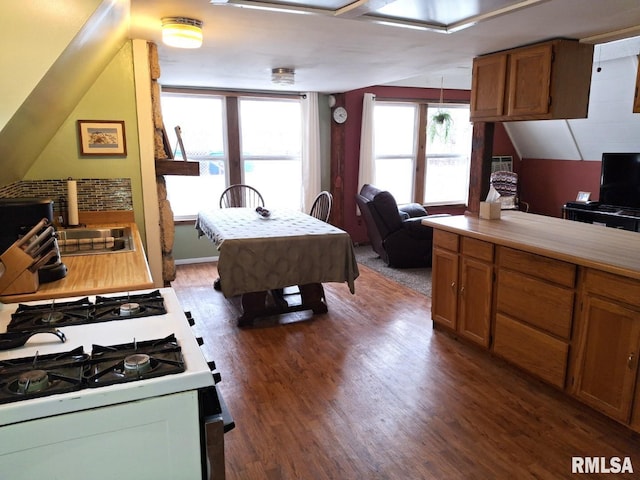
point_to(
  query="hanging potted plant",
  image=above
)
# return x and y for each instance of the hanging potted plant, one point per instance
(440, 125)
(441, 122)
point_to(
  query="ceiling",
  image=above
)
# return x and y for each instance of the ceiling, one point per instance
(342, 45)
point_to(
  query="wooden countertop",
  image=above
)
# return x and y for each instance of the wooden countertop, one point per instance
(607, 249)
(98, 273)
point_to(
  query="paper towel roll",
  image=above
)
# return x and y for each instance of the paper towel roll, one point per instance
(72, 202)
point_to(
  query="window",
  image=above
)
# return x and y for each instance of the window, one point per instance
(201, 121)
(441, 176)
(270, 150)
(394, 144)
(449, 133)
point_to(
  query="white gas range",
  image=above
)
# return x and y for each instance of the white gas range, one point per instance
(126, 395)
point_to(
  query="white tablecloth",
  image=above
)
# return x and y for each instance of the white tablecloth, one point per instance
(289, 248)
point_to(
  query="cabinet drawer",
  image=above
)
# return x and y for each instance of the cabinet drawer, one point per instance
(545, 268)
(477, 249)
(615, 287)
(544, 305)
(531, 350)
(446, 240)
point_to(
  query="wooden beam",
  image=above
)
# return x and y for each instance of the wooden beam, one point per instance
(480, 170)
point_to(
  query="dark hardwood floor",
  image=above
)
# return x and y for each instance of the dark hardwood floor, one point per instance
(371, 391)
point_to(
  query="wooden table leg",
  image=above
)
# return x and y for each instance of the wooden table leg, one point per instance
(313, 298)
(258, 304)
(253, 305)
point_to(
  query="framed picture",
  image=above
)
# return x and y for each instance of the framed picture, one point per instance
(102, 137)
(583, 196)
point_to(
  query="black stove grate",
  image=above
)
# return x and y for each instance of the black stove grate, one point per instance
(56, 373)
(81, 312)
(107, 365)
(75, 370)
(57, 314)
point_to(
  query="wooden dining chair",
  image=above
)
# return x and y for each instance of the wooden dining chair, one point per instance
(321, 208)
(241, 196)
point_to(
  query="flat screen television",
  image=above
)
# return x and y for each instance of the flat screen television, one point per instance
(620, 180)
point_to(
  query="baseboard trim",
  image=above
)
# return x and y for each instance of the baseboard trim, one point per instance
(187, 261)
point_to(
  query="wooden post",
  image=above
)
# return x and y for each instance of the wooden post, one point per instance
(337, 167)
(480, 171)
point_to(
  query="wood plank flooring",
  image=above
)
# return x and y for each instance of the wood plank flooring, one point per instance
(370, 391)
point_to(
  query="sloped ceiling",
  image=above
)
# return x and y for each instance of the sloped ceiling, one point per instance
(58, 89)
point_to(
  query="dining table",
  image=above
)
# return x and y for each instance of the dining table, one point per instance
(260, 258)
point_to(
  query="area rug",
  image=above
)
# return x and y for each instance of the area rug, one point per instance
(418, 279)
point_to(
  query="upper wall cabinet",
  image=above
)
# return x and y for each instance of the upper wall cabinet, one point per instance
(549, 80)
(636, 101)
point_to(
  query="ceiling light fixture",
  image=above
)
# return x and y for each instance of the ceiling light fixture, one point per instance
(283, 76)
(182, 32)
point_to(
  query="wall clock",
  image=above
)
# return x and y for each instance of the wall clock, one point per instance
(340, 115)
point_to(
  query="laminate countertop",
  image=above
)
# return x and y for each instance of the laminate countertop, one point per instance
(607, 249)
(97, 273)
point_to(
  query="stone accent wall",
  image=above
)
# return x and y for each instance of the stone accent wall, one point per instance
(162, 152)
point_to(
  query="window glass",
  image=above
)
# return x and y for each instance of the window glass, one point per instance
(201, 121)
(271, 146)
(394, 145)
(271, 149)
(448, 153)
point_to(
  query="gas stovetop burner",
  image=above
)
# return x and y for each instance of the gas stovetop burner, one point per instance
(52, 317)
(32, 377)
(82, 311)
(129, 306)
(32, 381)
(134, 361)
(128, 309)
(137, 363)
(33, 317)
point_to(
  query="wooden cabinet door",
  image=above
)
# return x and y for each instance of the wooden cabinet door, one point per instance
(635, 413)
(636, 100)
(530, 81)
(488, 90)
(476, 279)
(444, 295)
(608, 357)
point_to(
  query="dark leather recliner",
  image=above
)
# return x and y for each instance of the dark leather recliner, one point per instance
(396, 234)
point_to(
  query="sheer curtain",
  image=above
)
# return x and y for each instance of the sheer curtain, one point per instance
(310, 150)
(366, 170)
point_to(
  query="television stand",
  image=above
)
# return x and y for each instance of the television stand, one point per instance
(608, 215)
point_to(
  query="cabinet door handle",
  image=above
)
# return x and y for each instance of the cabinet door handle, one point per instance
(630, 360)
(462, 291)
(453, 286)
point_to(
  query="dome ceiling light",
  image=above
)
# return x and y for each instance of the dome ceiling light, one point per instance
(283, 76)
(181, 32)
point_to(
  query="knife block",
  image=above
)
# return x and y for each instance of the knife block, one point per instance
(17, 278)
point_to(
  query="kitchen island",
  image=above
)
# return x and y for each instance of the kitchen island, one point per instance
(97, 273)
(558, 299)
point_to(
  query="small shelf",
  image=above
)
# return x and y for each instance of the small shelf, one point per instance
(177, 167)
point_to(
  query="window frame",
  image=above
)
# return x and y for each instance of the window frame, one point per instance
(421, 154)
(231, 126)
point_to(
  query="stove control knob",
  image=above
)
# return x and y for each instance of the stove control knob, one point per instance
(216, 377)
(190, 319)
(200, 341)
(212, 365)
